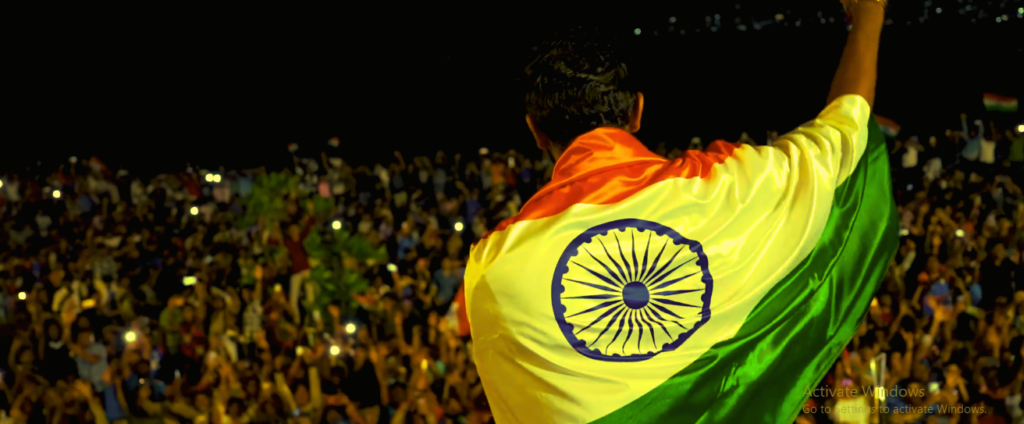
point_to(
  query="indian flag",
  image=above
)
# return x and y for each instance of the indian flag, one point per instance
(889, 127)
(718, 287)
(997, 103)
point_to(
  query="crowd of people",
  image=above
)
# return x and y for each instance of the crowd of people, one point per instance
(140, 301)
(124, 300)
(949, 317)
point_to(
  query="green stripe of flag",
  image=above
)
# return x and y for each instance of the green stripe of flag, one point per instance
(1001, 107)
(794, 335)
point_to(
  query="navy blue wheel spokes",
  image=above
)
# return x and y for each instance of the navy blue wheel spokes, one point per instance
(616, 305)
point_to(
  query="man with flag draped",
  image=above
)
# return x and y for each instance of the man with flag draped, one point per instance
(717, 287)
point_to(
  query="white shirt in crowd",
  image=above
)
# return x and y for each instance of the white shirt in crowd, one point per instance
(11, 188)
(910, 156)
(988, 152)
(138, 191)
(382, 173)
(43, 221)
(933, 168)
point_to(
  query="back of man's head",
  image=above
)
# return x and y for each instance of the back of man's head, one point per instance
(577, 83)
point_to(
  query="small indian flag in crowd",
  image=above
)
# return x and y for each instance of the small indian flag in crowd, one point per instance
(889, 127)
(334, 142)
(292, 147)
(997, 103)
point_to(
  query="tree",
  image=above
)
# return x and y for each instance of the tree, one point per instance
(336, 258)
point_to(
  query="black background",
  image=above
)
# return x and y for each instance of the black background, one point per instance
(153, 89)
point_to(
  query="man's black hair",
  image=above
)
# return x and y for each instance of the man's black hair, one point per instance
(578, 83)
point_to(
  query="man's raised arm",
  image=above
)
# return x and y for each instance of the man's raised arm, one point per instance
(858, 68)
(835, 141)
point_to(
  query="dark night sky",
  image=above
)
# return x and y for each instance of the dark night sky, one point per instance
(234, 88)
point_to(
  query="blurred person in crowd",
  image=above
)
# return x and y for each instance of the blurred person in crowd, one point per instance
(973, 142)
(745, 139)
(1016, 148)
